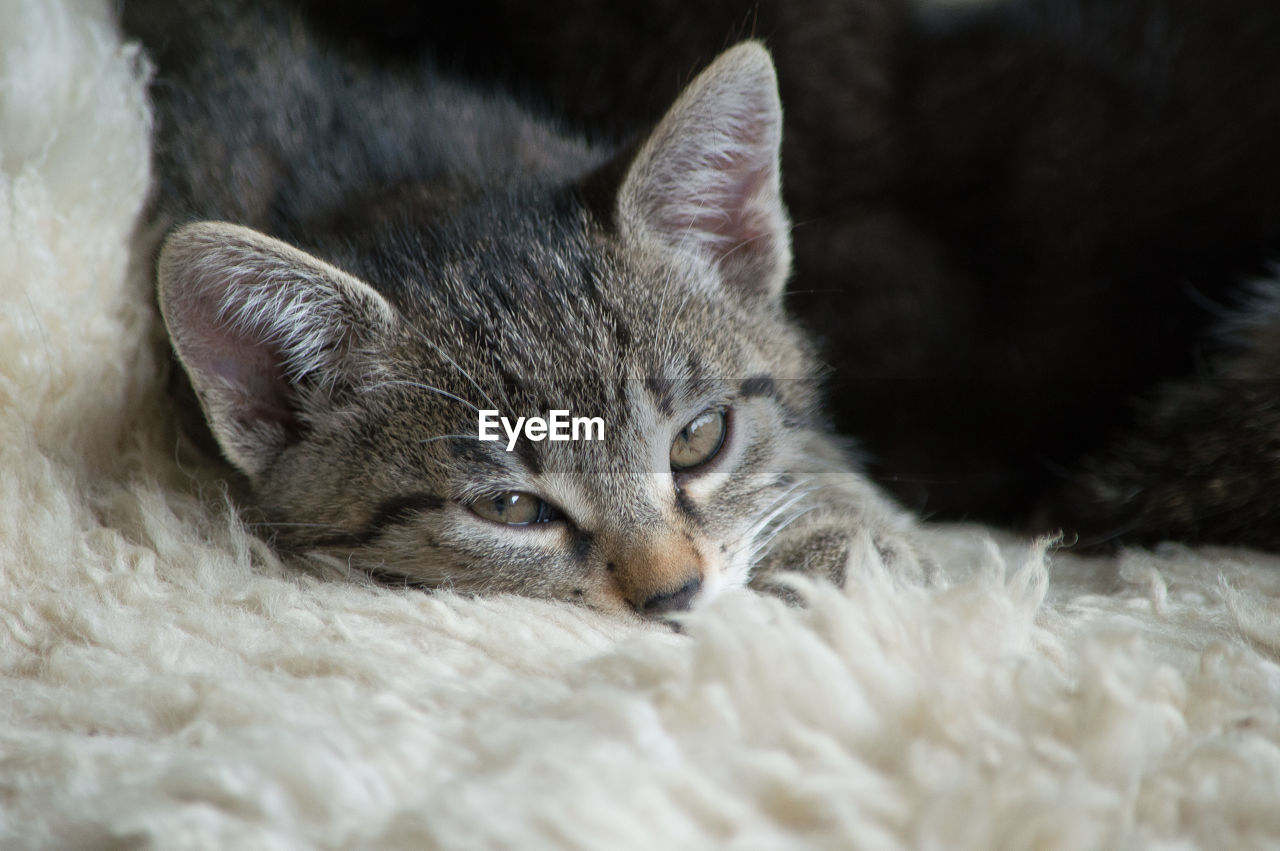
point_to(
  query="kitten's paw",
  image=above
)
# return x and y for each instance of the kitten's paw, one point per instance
(836, 552)
(902, 554)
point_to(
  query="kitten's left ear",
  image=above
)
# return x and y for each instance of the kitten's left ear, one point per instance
(707, 179)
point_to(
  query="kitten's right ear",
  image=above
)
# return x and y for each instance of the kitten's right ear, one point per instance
(266, 333)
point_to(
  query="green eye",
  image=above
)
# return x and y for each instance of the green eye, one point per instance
(699, 441)
(514, 508)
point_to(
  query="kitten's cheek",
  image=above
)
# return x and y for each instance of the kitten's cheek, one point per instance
(705, 486)
(730, 568)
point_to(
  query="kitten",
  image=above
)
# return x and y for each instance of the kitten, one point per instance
(365, 255)
(1014, 218)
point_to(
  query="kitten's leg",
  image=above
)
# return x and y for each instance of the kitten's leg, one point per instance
(840, 514)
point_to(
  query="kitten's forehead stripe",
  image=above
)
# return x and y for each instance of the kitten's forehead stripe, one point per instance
(759, 385)
(622, 337)
(693, 367)
(616, 322)
(660, 391)
(528, 452)
(471, 451)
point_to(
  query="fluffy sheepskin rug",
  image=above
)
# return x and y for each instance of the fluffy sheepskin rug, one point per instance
(165, 682)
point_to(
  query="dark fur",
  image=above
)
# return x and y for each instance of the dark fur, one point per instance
(1202, 462)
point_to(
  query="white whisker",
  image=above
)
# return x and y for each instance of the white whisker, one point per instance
(455, 365)
(421, 386)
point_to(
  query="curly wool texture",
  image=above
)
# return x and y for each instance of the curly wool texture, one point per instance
(166, 682)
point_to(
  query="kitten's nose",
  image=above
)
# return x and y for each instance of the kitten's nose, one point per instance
(673, 601)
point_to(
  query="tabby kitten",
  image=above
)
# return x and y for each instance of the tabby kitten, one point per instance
(366, 255)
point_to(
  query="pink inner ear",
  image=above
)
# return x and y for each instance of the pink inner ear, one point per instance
(707, 178)
(242, 365)
(715, 187)
(263, 330)
(733, 217)
(255, 374)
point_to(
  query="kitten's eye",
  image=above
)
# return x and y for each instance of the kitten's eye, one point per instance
(699, 441)
(515, 508)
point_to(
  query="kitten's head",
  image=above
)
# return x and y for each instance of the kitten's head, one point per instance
(349, 391)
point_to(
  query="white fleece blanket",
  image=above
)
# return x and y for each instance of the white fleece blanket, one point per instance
(165, 682)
